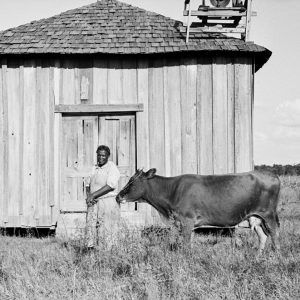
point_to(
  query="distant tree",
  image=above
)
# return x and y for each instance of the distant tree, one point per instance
(289, 170)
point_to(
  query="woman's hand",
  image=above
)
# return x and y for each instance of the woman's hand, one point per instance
(90, 200)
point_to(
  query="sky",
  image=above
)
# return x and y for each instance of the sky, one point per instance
(277, 84)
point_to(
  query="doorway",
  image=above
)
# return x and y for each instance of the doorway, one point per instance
(80, 137)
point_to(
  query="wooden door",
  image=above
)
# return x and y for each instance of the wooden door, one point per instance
(79, 143)
(118, 133)
(80, 137)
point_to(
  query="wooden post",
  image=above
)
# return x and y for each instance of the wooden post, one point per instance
(89, 212)
(248, 19)
(188, 23)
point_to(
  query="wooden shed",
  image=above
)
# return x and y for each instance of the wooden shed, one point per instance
(110, 73)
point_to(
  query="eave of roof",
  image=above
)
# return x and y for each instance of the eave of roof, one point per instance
(112, 27)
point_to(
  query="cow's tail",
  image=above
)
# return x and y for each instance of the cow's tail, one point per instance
(277, 201)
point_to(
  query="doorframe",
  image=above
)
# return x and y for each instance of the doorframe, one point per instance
(81, 109)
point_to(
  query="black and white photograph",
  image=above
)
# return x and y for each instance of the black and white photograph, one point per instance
(149, 149)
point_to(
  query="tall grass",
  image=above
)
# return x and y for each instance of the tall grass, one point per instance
(143, 267)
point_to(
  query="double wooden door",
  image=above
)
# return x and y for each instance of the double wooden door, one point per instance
(80, 137)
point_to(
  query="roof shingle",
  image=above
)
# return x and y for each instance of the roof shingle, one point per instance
(110, 27)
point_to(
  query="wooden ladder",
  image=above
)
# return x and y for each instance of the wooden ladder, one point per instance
(232, 21)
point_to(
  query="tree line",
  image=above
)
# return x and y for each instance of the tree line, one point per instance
(290, 170)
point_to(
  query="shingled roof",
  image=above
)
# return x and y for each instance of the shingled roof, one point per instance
(114, 27)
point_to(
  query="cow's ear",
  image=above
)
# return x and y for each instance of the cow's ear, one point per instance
(150, 173)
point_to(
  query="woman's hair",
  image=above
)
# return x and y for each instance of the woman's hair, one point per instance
(105, 148)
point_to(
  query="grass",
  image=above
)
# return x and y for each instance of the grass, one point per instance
(137, 267)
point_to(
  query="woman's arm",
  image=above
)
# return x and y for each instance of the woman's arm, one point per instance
(92, 198)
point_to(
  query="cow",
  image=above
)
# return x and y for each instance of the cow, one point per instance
(195, 201)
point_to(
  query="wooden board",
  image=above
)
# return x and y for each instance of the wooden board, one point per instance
(220, 130)
(230, 116)
(114, 82)
(118, 133)
(55, 132)
(172, 108)
(243, 115)
(156, 117)
(1, 147)
(69, 82)
(97, 108)
(129, 81)
(100, 73)
(205, 116)
(79, 137)
(3, 144)
(29, 140)
(166, 108)
(142, 118)
(85, 81)
(21, 150)
(142, 130)
(57, 168)
(43, 112)
(188, 116)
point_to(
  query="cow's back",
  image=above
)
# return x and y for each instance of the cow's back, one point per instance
(225, 200)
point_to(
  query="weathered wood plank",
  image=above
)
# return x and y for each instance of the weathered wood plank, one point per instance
(57, 166)
(220, 116)
(173, 116)
(14, 113)
(132, 145)
(3, 143)
(215, 13)
(230, 116)
(142, 130)
(56, 82)
(129, 81)
(142, 117)
(69, 82)
(156, 117)
(243, 114)
(100, 81)
(166, 109)
(1, 146)
(156, 122)
(205, 116)
(115, 86)
(39, 141)
(29, 170)
(123, 146)
(251, 91)
(85, 81)
(51, 105)
(55, 191)
(98, 108)
(21, 130)
(188, 72)
(44, 140)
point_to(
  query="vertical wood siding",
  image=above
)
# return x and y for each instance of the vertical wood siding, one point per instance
(197, 118)
(205, 116)
(1, 146)
(14, 141)
(243, 116)
(188, 80)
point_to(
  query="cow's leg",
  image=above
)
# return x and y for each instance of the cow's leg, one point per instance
(188, 231)
(273, 223)
(256, 225)
(261, 236)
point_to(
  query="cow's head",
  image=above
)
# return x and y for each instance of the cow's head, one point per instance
(135, 188)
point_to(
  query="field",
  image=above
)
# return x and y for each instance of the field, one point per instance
(135, 267)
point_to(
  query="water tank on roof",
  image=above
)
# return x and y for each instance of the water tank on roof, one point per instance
(219, 3)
